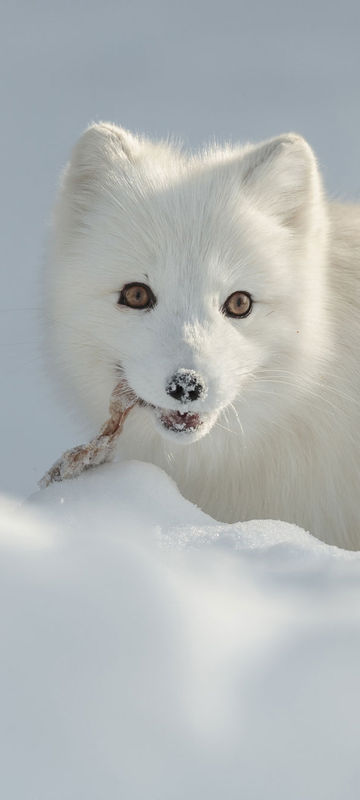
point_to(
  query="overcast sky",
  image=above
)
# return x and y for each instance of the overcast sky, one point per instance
(198, 70)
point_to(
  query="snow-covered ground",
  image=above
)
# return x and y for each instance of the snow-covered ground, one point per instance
(149, 652)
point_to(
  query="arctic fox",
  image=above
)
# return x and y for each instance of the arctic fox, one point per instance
(223, 287)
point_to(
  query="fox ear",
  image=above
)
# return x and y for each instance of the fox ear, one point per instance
(102, 149)
(101, 146)
(281, 176)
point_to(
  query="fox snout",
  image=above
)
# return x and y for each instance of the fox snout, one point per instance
(186, 385)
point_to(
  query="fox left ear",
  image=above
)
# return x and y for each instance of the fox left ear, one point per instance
(282, 178)
(99, 148)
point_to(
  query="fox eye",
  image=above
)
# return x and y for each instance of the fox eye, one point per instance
(238, 304)
(136, 295)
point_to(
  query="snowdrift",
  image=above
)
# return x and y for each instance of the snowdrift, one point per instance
(149, 652)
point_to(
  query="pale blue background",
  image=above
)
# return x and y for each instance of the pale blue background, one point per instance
(199, 70)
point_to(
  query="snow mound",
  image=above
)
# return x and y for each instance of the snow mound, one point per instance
(149, 652)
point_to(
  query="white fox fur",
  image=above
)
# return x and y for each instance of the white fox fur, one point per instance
(281, 414)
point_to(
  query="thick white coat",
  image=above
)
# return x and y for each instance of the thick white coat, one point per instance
(281, 414)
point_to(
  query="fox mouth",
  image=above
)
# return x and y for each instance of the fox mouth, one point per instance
(175, 421)
(179, 421)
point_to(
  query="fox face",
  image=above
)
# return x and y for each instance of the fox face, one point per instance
(195, 280)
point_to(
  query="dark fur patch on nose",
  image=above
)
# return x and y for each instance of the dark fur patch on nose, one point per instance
(185, 386)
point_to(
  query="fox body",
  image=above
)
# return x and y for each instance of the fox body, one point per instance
(223, 289)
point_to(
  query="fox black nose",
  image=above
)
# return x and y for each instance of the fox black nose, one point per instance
(185, 385)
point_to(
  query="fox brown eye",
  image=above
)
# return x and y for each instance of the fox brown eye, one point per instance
(239, 304)
(136, 295)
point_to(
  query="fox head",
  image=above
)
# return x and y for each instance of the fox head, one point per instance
(195, 279)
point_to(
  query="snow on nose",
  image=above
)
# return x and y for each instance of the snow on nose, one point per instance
(186, 385)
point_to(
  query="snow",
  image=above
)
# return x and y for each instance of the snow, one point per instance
(151, 652)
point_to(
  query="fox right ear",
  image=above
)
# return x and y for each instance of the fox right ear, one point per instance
(281, 175)
(101, 146)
